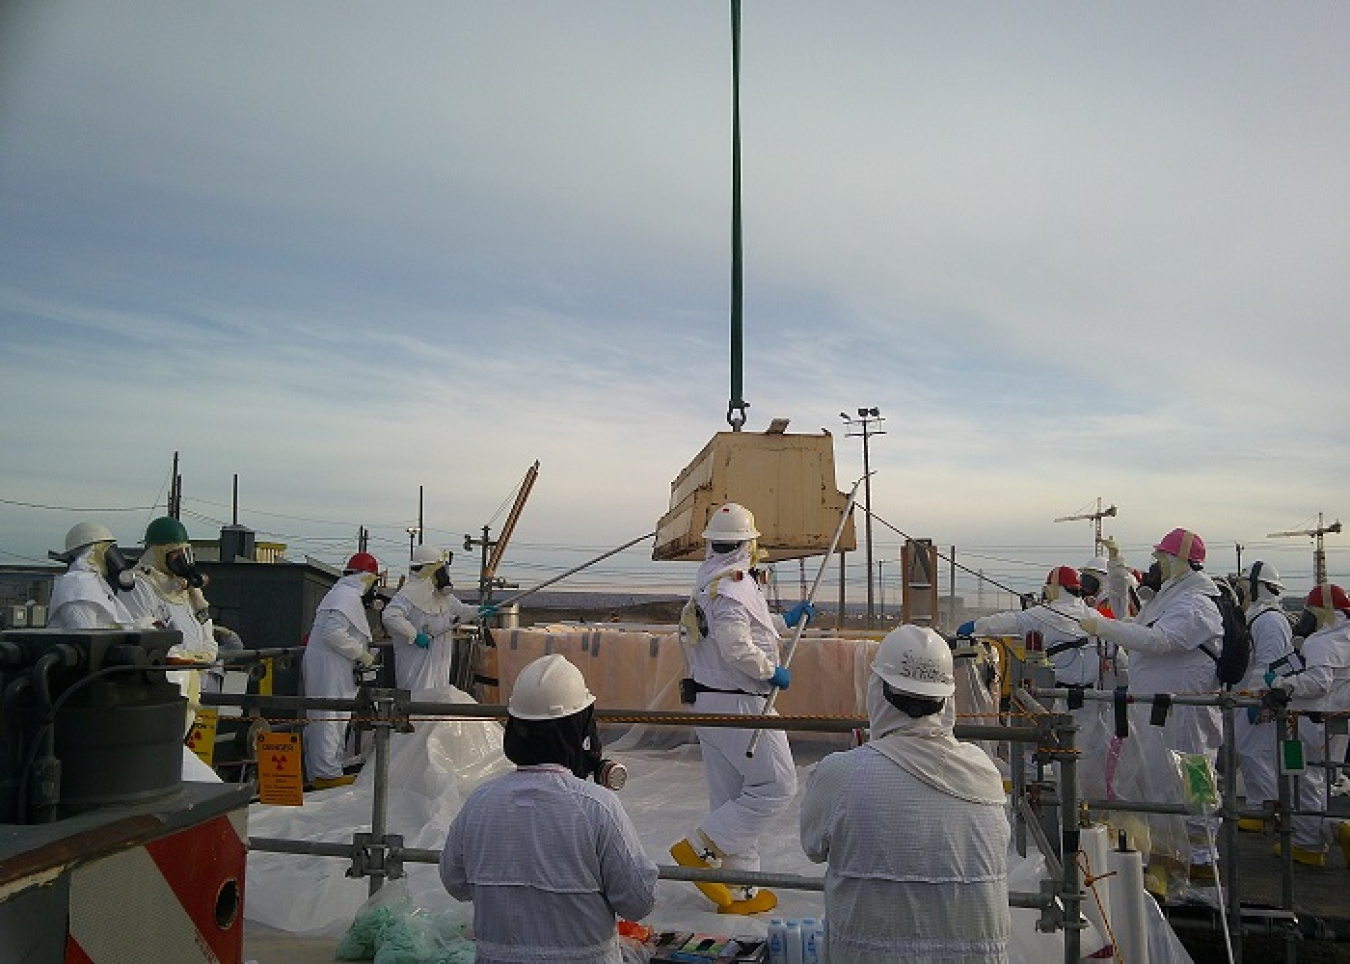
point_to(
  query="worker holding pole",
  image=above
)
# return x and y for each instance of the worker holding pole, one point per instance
(731, 645)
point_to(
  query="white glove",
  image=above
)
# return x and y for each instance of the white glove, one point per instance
(1090, 623)
(366, 659)
(1112, 550)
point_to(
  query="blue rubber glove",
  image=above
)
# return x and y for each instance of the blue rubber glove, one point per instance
(1270, 678)
(1254, 715)
(966, 629)
(421, 640)
(487, 611)
(781, 677)
(801, 611)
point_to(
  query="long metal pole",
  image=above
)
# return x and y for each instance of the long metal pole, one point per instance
(543, 585)
(801, 623)
(867, 489)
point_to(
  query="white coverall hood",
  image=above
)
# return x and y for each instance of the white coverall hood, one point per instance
(421, 591)
(743, 590)
(345, 597)
(927, 749)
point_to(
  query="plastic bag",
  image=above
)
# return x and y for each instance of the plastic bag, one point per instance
(391, 929)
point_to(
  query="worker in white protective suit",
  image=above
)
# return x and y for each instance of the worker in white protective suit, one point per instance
(339, 644)
(1272, 641)
(1322, 686)
(731, 644)
(1072, 654)
(911, 823)
(1093, 578)
(421, 621)
(88, 595)
(549, 859)
(1170, 643)
(168, 593)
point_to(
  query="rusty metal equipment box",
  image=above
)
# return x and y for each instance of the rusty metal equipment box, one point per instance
(787, 481)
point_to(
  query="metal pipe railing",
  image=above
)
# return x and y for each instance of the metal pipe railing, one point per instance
(380, 855)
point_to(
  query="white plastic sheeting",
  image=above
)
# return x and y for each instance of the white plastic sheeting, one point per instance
(433, 769)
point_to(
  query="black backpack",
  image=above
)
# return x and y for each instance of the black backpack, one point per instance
(1233, 660)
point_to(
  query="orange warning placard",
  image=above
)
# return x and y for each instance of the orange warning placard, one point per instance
(279, 780)
(201, 739)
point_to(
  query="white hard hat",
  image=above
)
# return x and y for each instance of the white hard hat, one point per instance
(731, 523)
(1262, 572)
(425, 555)
(86, 534)
(917, 661)
(549, 688)
(1095, 565)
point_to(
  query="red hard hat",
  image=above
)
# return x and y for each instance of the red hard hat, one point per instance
(1064, 576)
(362, 562)
(1182, 543)
(1339, 600)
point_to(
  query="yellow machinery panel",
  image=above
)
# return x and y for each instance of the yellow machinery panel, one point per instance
(787, 481)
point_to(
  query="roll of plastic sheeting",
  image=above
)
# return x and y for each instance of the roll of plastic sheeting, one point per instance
(1095, 842)
(1129, 920)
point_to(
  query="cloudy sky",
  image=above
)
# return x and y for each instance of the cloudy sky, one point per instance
(1071, 251)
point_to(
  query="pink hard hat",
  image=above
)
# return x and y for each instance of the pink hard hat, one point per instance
(1182, 543)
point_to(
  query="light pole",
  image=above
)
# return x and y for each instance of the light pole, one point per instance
(412, 536)
(865, 425)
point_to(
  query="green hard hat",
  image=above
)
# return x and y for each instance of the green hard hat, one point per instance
(164, 531)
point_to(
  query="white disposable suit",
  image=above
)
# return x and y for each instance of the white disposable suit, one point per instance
(1057, 622)
(548, 861)
(82, 599)
(1164, 642)
(419, 607)
(1272, 640)
(914, 829)
(339, 637)
(739, 654)
(1322, 687)
(166, 601)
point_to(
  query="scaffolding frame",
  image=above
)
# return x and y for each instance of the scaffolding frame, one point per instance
(380, 855)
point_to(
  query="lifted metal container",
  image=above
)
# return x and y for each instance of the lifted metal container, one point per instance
(787, 481)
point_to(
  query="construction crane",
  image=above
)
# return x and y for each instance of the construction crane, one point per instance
(1096, 519)
(1319, 556)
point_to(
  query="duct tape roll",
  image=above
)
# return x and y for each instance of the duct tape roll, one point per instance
(1129, 919)
(1094, 843)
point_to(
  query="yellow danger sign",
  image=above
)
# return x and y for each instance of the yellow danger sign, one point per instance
(201, 739)
(279, 779)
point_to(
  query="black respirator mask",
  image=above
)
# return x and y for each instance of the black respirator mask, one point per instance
(181, 565)
(1306, 624)
(371, 598)
(441, 578)
(117, 570)
(1153, 577)
(1090, 583)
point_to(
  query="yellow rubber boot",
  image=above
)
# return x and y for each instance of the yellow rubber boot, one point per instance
(686, 856)
(756, 901)
(1309, 858)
